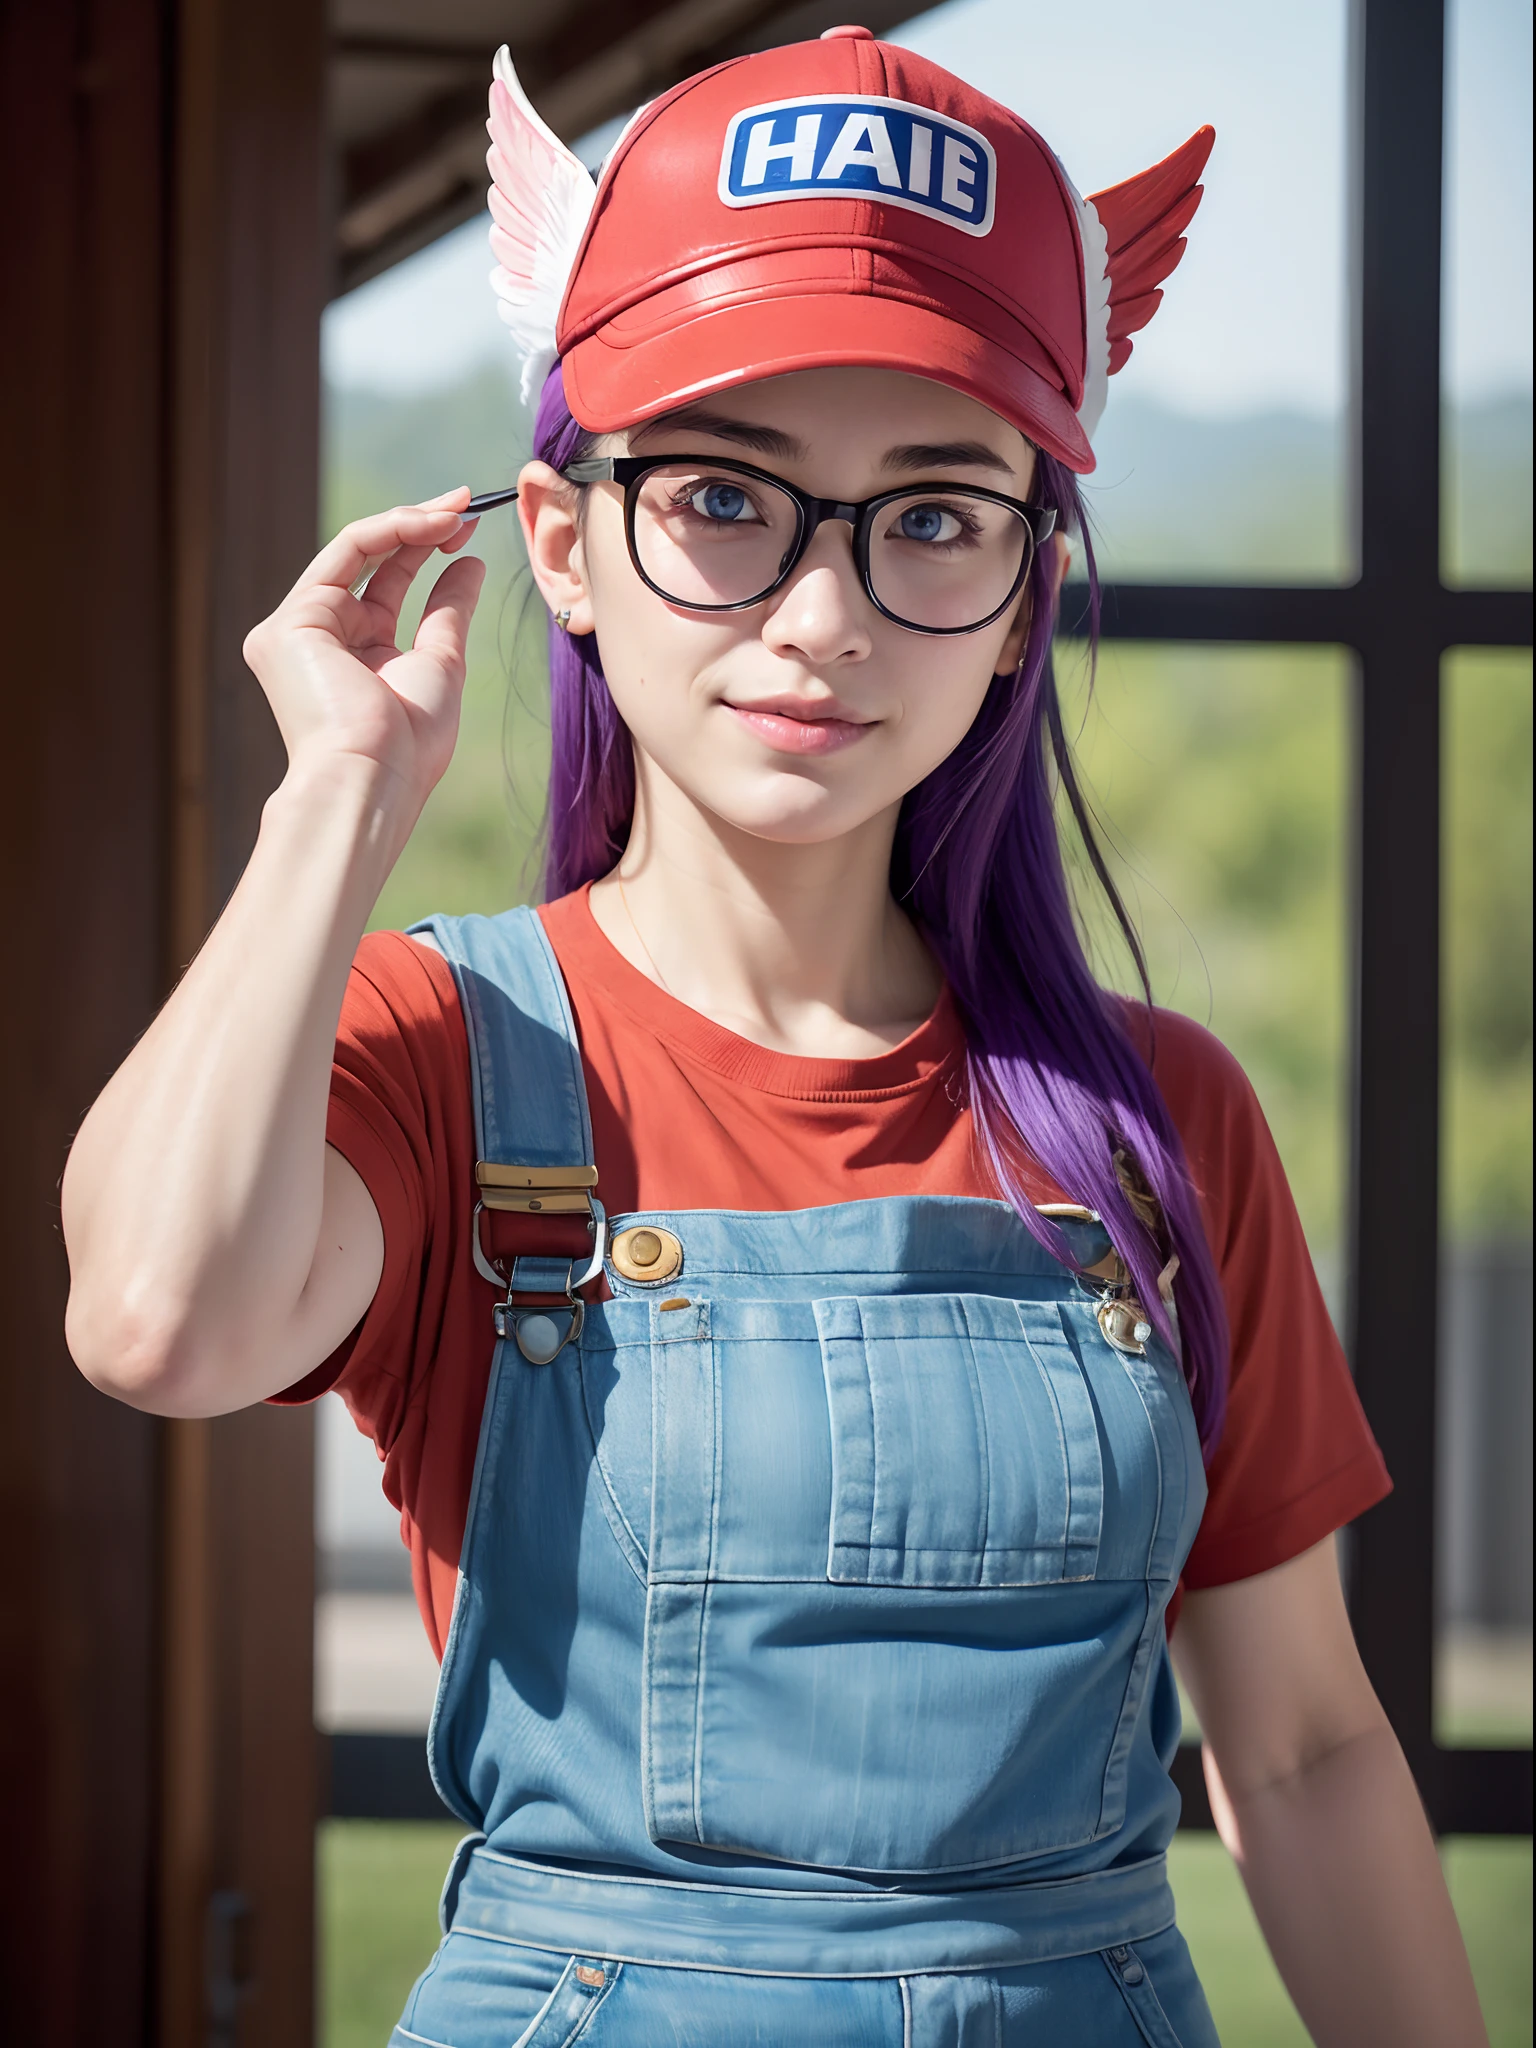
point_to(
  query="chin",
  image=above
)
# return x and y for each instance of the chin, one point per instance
(799, 814)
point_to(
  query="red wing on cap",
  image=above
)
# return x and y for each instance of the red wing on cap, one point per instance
(1144, 220)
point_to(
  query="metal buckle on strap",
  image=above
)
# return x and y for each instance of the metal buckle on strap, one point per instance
(546, 1191)
(536, 1190)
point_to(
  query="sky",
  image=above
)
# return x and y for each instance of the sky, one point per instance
(1256, 317)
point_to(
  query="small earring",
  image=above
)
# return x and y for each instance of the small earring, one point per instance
(563, 619)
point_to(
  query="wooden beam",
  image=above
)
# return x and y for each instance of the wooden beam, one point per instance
(384, 49)
(165, 261)
(82, 789)
(811, 18)
(236, 1899)
(402, 188)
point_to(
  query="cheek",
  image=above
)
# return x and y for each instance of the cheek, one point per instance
(939, 703)
(656, 664)
(647, 648)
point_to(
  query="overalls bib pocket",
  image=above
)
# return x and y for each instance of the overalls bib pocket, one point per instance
(964, 1446)
(895, 1500)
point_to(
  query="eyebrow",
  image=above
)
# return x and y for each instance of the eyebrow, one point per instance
(697, 419)
(906, 457)
(945, 455)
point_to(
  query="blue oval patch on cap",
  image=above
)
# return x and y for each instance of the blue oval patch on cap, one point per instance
(861, 147)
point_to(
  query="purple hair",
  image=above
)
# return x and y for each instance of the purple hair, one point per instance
(1052, 1069)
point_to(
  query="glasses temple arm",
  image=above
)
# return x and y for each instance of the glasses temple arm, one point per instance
(487, 501)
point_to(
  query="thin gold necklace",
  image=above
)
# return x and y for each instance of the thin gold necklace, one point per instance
(640, 935)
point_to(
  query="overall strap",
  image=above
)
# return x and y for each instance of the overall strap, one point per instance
(533, 1132)
(525, 1063)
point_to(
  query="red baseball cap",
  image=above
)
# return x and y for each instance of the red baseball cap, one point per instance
(846, 202)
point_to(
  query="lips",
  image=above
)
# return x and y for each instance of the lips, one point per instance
(790, 726)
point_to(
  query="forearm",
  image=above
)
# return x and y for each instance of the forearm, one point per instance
(193, 1195)
(1341, 1867)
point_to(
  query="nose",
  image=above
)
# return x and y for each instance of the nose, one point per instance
(822, 614)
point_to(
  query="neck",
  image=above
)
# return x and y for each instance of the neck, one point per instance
(800, 948)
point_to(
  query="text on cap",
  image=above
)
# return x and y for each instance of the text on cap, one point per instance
(861, 147)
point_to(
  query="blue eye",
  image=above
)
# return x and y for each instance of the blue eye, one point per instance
(723, 502)
(928, 523)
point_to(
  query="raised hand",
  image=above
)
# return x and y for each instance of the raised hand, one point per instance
(327, 658)
(218, 1249)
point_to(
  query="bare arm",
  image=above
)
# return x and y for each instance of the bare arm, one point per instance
(219, 1250)
(1312, 1796)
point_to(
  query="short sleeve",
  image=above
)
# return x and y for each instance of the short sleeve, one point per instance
(1297, 1459)
(414, 1372)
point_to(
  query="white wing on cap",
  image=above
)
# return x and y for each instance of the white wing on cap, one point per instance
(1132, 237)
(541, 200)
(1095, 244)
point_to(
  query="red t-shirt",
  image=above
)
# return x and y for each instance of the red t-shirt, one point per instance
(685, 1115)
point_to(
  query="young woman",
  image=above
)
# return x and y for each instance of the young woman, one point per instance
(802, 1317)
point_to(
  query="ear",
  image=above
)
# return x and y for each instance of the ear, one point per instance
(546, 511)
(1011, 652)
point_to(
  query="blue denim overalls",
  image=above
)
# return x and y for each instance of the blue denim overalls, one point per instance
(807, 1679)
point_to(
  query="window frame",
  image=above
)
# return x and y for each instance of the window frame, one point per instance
(1399, 620)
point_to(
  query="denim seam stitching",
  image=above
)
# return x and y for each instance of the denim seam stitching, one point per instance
(594, 2006)
(710, 1555)
(530, 2032)
(1054, 1399)
(1138, 1996)
(632, 1549)
(984, 1459)
(1116, 1768)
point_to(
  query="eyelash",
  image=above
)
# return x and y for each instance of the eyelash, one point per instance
(685, 493)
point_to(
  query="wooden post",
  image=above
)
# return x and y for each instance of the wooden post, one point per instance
(82, 807)
(165, 272)
(236, 1901)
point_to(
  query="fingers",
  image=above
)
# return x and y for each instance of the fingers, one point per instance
(364, 575)
(444, 630)
(392, 578)
(369, 542)
(384, 580)
(465, 533)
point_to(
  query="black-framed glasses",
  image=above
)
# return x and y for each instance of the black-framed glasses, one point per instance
(718, 536)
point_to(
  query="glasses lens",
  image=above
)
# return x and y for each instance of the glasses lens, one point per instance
(946, 560)
(707, 537)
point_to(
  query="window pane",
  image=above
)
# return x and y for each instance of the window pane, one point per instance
(473, 847)
(1220, 774)
(374, 1668)
(1483, 1664)
(1221, 453)
(1487, 353)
